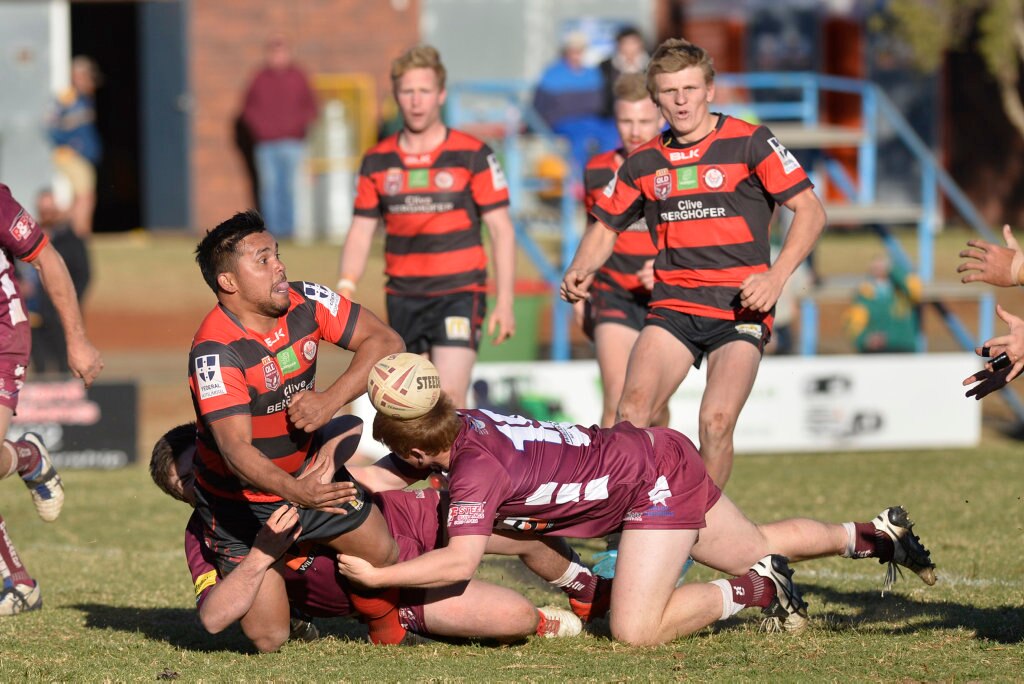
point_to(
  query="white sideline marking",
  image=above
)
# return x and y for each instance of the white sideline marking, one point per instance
(909, 578)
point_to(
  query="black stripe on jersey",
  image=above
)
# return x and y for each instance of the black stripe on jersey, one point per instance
(792, 192)
(457, 158)
(301, 320)
(350, 326)
(228, 357)
(380, 161)
(643, 163)
(459, 200)
(287, 445)
(597, 178)
(237, 410)
(372, 212)
(728, 151)
(430, 244)
(726, 298)
(264, 400)
(484, 208)
(414, 286)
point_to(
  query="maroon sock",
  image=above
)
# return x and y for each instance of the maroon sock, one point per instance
(9, 557)
(583, 585)
(752, 590)
(29, 458)
(870, 542)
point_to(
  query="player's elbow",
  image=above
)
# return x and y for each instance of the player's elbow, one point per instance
(212, 623)
(463, 570)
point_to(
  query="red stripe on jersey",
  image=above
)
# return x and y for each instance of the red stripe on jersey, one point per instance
(717, 277)
(426, 265)
(732, 230)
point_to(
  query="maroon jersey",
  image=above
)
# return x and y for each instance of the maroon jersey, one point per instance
(510, 472)
(20, 238)
(713, 201)
(431, 205)
(633, 247)
(312, 581)
(236, 371)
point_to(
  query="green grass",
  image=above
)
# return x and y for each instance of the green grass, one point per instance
(118, 602)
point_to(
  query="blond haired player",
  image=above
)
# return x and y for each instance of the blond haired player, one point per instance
(712, 183)
(433, 187)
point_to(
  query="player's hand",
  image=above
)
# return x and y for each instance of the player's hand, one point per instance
(992, 264)
(324, 496)
(646, 275)
(320, 468)
(988, 381)
(309, 410)
(502, 323)
(278, 533)
(760, 291)
(1011, 344)
(358, 570)
(575, 285)
(84, 360)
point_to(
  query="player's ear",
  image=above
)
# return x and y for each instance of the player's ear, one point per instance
(711, 91)
(226, 281)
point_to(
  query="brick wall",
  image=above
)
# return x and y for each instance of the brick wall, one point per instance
(227, 40)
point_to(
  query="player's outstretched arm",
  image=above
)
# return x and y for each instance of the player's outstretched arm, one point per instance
(439, 568)
(992, 264)
(231, 598)
(502, 322)
(354, 254)
(234, 441)
(760, 291)
(83, 358)
(594, 249)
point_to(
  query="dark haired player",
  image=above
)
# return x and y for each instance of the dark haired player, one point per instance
(252, 371)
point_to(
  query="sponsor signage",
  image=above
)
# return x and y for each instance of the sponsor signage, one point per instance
(83, 428)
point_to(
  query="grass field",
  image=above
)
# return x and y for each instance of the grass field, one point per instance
(118, 603)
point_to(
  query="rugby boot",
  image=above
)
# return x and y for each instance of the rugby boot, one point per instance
(908, 550)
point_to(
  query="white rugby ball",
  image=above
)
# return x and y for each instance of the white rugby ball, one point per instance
(404, 386)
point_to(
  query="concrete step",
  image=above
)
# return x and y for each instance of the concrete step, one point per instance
(867, 214)
(800, 137)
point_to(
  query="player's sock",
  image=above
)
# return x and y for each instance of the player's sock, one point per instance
(746, 590)
(380, 611)
(864, 540)
(30, 461)
(11, 569)
(577, 582)
(8, 455)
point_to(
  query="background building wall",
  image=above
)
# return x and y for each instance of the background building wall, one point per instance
(227, 40)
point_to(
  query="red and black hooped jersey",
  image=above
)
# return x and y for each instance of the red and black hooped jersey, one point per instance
(634, 246)
(713, 202)
(236, 371)
(431, 205)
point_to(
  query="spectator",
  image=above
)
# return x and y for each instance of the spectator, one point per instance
(49, 349)
(570, 98)
(279, 108)
(77, 146)
(630, 57)
(884, 315)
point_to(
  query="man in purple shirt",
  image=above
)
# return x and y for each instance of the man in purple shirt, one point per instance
(22, 238)
(279, 107)
(569, 480)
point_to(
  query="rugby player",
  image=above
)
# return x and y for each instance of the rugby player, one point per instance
(570, 480)
(433, 187)
(21, 238)
(711, 182)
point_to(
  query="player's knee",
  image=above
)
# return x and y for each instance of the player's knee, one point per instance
(268, 640)
(716, 427)
(633, 411)
(636, 634)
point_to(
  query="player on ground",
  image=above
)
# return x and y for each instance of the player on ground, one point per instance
(476, 610)
(433, 186)
(252, 371)
(711, 182)
(614, 313)
(1004, 267)
(569, 480)
(21, 238)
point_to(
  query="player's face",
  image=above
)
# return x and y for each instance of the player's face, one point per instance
(183, 477)
(260, 275)
(637, 122)
(420, 99)
(683, 98)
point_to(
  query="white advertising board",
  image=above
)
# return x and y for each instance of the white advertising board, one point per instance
(822, 403)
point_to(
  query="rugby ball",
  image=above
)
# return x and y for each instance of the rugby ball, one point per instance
(404, 386)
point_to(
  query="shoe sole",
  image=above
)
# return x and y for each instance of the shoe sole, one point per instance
(48, 508)
(899, 528)
(792, 621)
